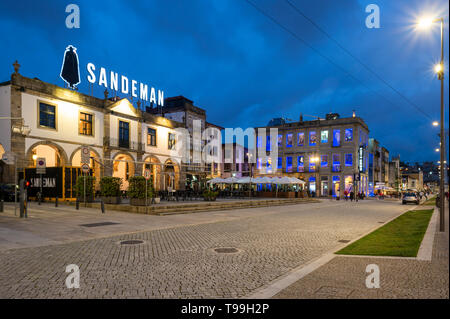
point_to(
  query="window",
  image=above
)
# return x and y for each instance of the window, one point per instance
(269, 165)
(349, 159)
(47, 115)
(312, 138)
(312, 163)
(268, 143)
(300, 139)
(171, 142)
(151, 136)
(324, 160)
(348, 134)
(289, 164)
(289, 139)
(280, 140)
(324, 137)
(280, 163)
(124, 134)
(336, 138)
(85, 124)
(336, 163)
(300, 164)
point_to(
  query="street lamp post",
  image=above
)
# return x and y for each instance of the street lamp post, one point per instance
(440, 72)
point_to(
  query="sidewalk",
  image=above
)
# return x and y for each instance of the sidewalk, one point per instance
(345, 277)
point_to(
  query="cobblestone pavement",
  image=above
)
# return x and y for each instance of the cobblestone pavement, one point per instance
(344, 277)
(179, 262)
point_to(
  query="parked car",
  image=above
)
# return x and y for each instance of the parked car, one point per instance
(410, 198)
(7, 192)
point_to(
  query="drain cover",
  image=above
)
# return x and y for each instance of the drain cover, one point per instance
(344, 241)
(99, 224)
(229, 250)
(131, 242)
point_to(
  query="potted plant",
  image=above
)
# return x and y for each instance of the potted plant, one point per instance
(79, 187)
(210, 195)
(136, 191)
(110, 189)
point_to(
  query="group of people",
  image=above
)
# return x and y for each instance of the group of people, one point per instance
(348, 195)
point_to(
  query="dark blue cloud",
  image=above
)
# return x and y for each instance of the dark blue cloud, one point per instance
(240, 66)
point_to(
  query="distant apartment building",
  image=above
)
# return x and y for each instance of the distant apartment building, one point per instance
(181, 109)
(328, 154)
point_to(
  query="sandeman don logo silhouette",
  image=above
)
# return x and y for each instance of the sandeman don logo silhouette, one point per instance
(70, 70)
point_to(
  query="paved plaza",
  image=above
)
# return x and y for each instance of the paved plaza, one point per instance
(177, 257)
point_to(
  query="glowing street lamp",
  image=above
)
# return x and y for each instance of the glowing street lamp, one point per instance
(435, 123)
(427, 22)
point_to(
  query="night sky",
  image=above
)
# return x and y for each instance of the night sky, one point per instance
(243, 68)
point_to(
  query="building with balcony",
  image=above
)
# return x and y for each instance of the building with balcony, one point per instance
(123, 139)
(328, 154)
(182, 110)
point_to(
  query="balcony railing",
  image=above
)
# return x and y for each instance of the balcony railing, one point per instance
(130, 145)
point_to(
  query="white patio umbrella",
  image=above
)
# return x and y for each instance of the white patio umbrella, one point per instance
(244, 180)
(230, 180)
(216, 180)
(295, 180)
(262, 180)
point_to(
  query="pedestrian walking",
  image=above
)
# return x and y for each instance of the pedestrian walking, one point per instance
(352, 196)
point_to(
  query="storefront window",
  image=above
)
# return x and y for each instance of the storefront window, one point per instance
(312, 138)
(312, 164)
(289, 164)
(336, 138)
(349, 159)
(289, 140)
(336, 163)
(269, 165)
(259, 163)
(348, 183)
(300, 139)
(324, 137)
(348, 134)
(312, 184)
(336, 185)
(324, 160)
(300, 164)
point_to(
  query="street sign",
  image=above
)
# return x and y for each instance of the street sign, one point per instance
(85, 155)
(40, 165)
(147, 174)
(8, 158)
(85, 168)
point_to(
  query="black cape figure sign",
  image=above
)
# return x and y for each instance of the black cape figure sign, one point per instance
(70, 71)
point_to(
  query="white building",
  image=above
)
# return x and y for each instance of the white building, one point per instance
(123, 139)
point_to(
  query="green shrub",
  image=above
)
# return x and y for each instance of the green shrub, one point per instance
(136, 188)
(90, 186)
(210, 195)
(110, 186)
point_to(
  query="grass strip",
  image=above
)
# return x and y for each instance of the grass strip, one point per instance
(401, 237)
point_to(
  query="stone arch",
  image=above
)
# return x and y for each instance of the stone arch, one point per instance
(61, 153)
(154, 164)
(78, 149)
(171, 174)
(123, 166)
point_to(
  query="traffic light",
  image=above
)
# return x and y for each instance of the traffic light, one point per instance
(27, 184)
